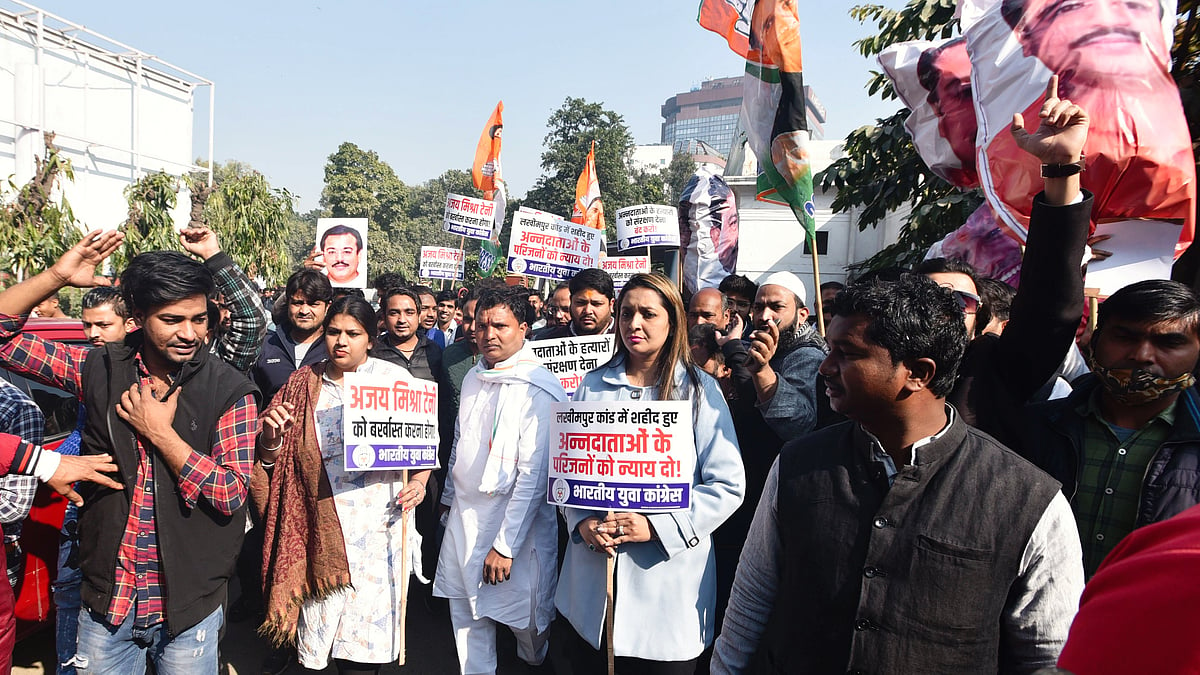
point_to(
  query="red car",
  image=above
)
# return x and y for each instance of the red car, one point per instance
(39, 536)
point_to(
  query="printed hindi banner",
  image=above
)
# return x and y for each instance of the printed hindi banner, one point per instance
(544, 245)
(440, 262)
(647, 225)
(622, 455)
(571, 358)
(389, 423)
(469, 217)
(621, 267)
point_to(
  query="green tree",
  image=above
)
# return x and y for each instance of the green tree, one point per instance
(358, 184)
(34, 229)
(678, 173)
(880, 170)
(251, 219)
(149, 226)
(572, 129)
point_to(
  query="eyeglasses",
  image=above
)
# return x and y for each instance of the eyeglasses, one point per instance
(967, 302)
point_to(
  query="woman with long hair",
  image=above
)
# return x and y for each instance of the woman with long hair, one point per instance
(326, 528)
(665, 575)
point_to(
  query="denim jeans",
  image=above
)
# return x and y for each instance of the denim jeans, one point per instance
(124, 649)
(66, 592)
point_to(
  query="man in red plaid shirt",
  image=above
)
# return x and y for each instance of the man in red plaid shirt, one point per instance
(180, 425)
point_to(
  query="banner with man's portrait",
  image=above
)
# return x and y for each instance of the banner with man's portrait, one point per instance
(1112, 58)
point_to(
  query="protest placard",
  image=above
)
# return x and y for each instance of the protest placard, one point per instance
(440, 262)
(621, 267)
(622, 455)
(342, 249)
(389, 423)
(571, 358)
(544, 245)
(647, 225)
(469, 217)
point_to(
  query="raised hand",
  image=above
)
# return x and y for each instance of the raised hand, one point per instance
(200, 242)
(77, 267)
(1061, 132)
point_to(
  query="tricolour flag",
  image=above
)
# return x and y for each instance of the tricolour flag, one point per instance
(486, 175)
(589, 208)
(767, 34)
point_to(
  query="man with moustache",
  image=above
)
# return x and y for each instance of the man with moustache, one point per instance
(180, 425)
(341, 249)
(558, 307)
(403, 342)
(298, 340)
(592, 297)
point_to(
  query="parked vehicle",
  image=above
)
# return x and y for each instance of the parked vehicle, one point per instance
(34, 608)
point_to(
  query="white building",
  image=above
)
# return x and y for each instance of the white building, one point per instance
(117, 113)
(770, 238)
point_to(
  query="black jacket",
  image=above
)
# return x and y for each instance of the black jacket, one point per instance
(426, 361)
(1054, 434)
(197, 545)
(276, 362)
(999, 375)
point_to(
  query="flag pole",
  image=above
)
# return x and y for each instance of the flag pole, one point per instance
(403, 575)
(817, 284)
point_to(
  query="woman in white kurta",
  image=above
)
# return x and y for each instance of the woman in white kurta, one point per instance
(499, 520)
(355, 625)
(665, 573)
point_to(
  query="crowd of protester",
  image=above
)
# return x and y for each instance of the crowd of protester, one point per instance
(925, 487)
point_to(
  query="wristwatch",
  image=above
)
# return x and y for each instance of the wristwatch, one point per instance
(1062, 170)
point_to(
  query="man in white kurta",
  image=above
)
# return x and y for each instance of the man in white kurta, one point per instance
(498, 558)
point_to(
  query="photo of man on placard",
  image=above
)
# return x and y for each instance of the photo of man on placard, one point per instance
(342, 251)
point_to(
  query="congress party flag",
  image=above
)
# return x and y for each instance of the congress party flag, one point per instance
(486, 175)
(485, 172)
(589, 208)
(773, 107)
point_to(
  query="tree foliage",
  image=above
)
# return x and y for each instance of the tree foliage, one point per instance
(251, 220)
(880, 171)
(572, 129)
(678, 173)
(149, 226)
(35, 229)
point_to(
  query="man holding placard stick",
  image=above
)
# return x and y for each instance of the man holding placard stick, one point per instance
(499, 555)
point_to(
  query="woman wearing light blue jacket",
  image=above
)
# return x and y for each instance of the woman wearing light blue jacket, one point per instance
(665, 575)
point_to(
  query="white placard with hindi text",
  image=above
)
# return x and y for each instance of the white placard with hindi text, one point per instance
(647, 225)
(441, 262)
(544, 245)
(469, 216)
(389, 423)
(622, 455)
(622, 267)
(571, 358)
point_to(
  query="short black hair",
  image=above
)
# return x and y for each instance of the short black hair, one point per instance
(423, 290)
(1152, 301)
(398, 290)
(515, 299)
(704, 335)
(591, 278)
(530, 292)
(311, 284)
(738, 284)
(561, 286)
(342, 229)
(388, 280)
(912, 318)
(105, 295)
(446, 296)
(948, 266)
(995, 298)
(358, 309)
(832, 285)
(158, 278)
(490, 283)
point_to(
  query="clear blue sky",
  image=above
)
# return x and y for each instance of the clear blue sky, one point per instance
(415, 81)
